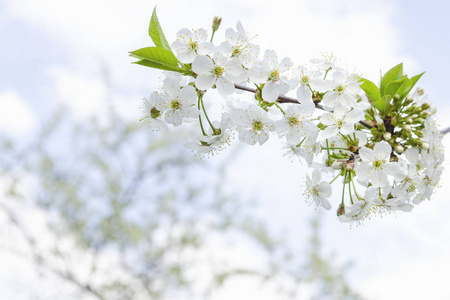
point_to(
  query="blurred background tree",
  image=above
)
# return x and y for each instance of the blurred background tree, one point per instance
(107, 209)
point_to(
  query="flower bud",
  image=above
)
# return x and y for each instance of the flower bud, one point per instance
(394, 121)
(216, 23)
(341, 210)
(419, 133)
(407, 127)
(380, 123)
(425, 114)
(408, 100)
(387, 136)
(425, 105)
(409, 121)
(337, 165)
(425, 145)
(353, 148)
(154, 113)
(419, 120)
(399, 149)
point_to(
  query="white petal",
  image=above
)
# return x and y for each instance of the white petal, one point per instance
(171, 87)
(285, 65)
(202, 64)
(325, 203)
(363, 172)
(258, 75)
(366, 154)
(205, 81)
(188, 94)
(270, 57)
(354, 116)
(303, 93)
(347, 129)
(382, 150)
(225, 87)
(316, 176)
(327, 119)
(270, 91)
(205, 48)
(324, 189)
(329, 132)
(187, 56)
(379, 178)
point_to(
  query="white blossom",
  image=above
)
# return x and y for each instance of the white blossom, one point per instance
(177, 103)
(318, 191)
(253, 125)
(374, 165)
(272, 74)
(190, 44)
(219, 72)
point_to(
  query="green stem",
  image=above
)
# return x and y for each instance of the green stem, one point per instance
(343, 188)
(335, 178)
(280, 108)
(212, 36)
(333, 148)
(354, 188)
(206, 115)
(200, 117)
(350, 187)
(300, 144)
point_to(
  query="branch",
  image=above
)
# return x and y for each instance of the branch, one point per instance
(285, 99)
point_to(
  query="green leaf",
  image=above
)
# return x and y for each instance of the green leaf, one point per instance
(371, 89)
(393, 87)
(155, 65)
(395, 73)
(158, 58)
(383, 103)
(156, 33)
(405, 88)
(413, 83)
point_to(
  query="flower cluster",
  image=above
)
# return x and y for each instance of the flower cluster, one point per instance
(380, 141)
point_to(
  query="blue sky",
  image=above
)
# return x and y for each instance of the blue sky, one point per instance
(54, 51)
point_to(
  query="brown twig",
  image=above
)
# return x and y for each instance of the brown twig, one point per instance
(285, 99)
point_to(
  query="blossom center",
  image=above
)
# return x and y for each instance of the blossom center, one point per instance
(377, 164)
(274, 76)
(293, 121)
(175, 105)
(339, 89)
(235, 52)
(258, 125)
(218, 71)
(305, 80)
(193, 45)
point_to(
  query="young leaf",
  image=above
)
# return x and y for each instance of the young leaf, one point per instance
(405, 88)
(383, 103)
(371, 89)
(393, 87)
(157, 56)
(395, 73)
(156, 33)
(155, 65)
(413, 82)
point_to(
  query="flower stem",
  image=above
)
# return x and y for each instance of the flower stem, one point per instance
(200, 117)
(206, 115)
(335, 178)
(280, 108)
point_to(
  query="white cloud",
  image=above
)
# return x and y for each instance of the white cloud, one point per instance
(16, 116)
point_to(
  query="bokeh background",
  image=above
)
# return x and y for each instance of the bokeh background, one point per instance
(68, 92)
